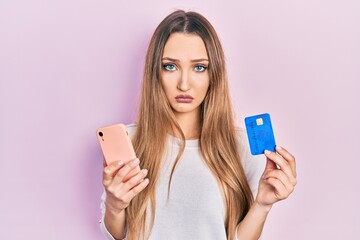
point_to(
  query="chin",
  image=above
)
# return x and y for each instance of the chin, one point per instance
(184, 109)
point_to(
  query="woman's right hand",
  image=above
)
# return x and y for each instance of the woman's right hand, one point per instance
(120, 189)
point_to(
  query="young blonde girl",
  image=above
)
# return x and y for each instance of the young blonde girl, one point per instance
(197, 178)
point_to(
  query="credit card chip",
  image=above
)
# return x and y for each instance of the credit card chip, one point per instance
(259, 121)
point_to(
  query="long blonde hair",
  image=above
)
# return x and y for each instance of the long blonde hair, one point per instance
(217, 140)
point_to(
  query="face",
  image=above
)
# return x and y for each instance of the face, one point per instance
(184, 75)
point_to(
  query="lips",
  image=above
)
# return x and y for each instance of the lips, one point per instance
(184, 98)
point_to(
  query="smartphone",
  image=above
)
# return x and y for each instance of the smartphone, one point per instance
(116, 145)
(260, 133)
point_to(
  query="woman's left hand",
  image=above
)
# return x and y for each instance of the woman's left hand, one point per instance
(279, 178)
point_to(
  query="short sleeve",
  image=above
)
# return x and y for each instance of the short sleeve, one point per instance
(253, 165)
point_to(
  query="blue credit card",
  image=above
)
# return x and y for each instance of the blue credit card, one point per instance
(260, 133)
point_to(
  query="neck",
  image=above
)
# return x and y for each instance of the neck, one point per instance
(189, 123)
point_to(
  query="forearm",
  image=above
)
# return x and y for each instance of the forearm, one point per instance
(115, 223)
(251, 226)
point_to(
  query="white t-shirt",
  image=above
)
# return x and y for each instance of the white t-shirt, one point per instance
(195, 209)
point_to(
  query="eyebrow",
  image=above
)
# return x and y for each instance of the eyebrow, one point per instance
(194, 60)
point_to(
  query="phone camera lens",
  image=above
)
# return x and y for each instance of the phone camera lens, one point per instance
(101, 134)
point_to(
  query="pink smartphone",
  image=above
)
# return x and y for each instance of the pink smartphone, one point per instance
(116, 145)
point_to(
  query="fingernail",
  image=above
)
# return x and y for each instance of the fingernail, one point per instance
(136, 162)
(278, 148)
(145, 171)
(267, 152)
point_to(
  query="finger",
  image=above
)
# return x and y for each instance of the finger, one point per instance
(136, 190)
(132, 173)
(280, 189)
(288, 157)
(135, 180)
(119, 190)
(121, 174)
(270, 164)
(110, 170)
(282, 163)
(280, 175)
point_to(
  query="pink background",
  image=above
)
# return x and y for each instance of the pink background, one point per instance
(68, 67)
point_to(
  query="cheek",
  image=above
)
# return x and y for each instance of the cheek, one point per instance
(205, 89)
(167, 83)
(202, 84)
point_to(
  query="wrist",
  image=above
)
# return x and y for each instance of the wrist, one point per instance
(262, 207)
(115, 223)
(111, 209)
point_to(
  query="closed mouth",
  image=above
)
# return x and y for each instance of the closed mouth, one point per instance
(184, 98)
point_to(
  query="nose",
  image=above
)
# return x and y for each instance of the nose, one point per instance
(184, 82)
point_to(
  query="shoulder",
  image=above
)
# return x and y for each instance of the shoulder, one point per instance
(131, 128)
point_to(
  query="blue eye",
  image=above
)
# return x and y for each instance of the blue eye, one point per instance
(200, 68)
(169, 67)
